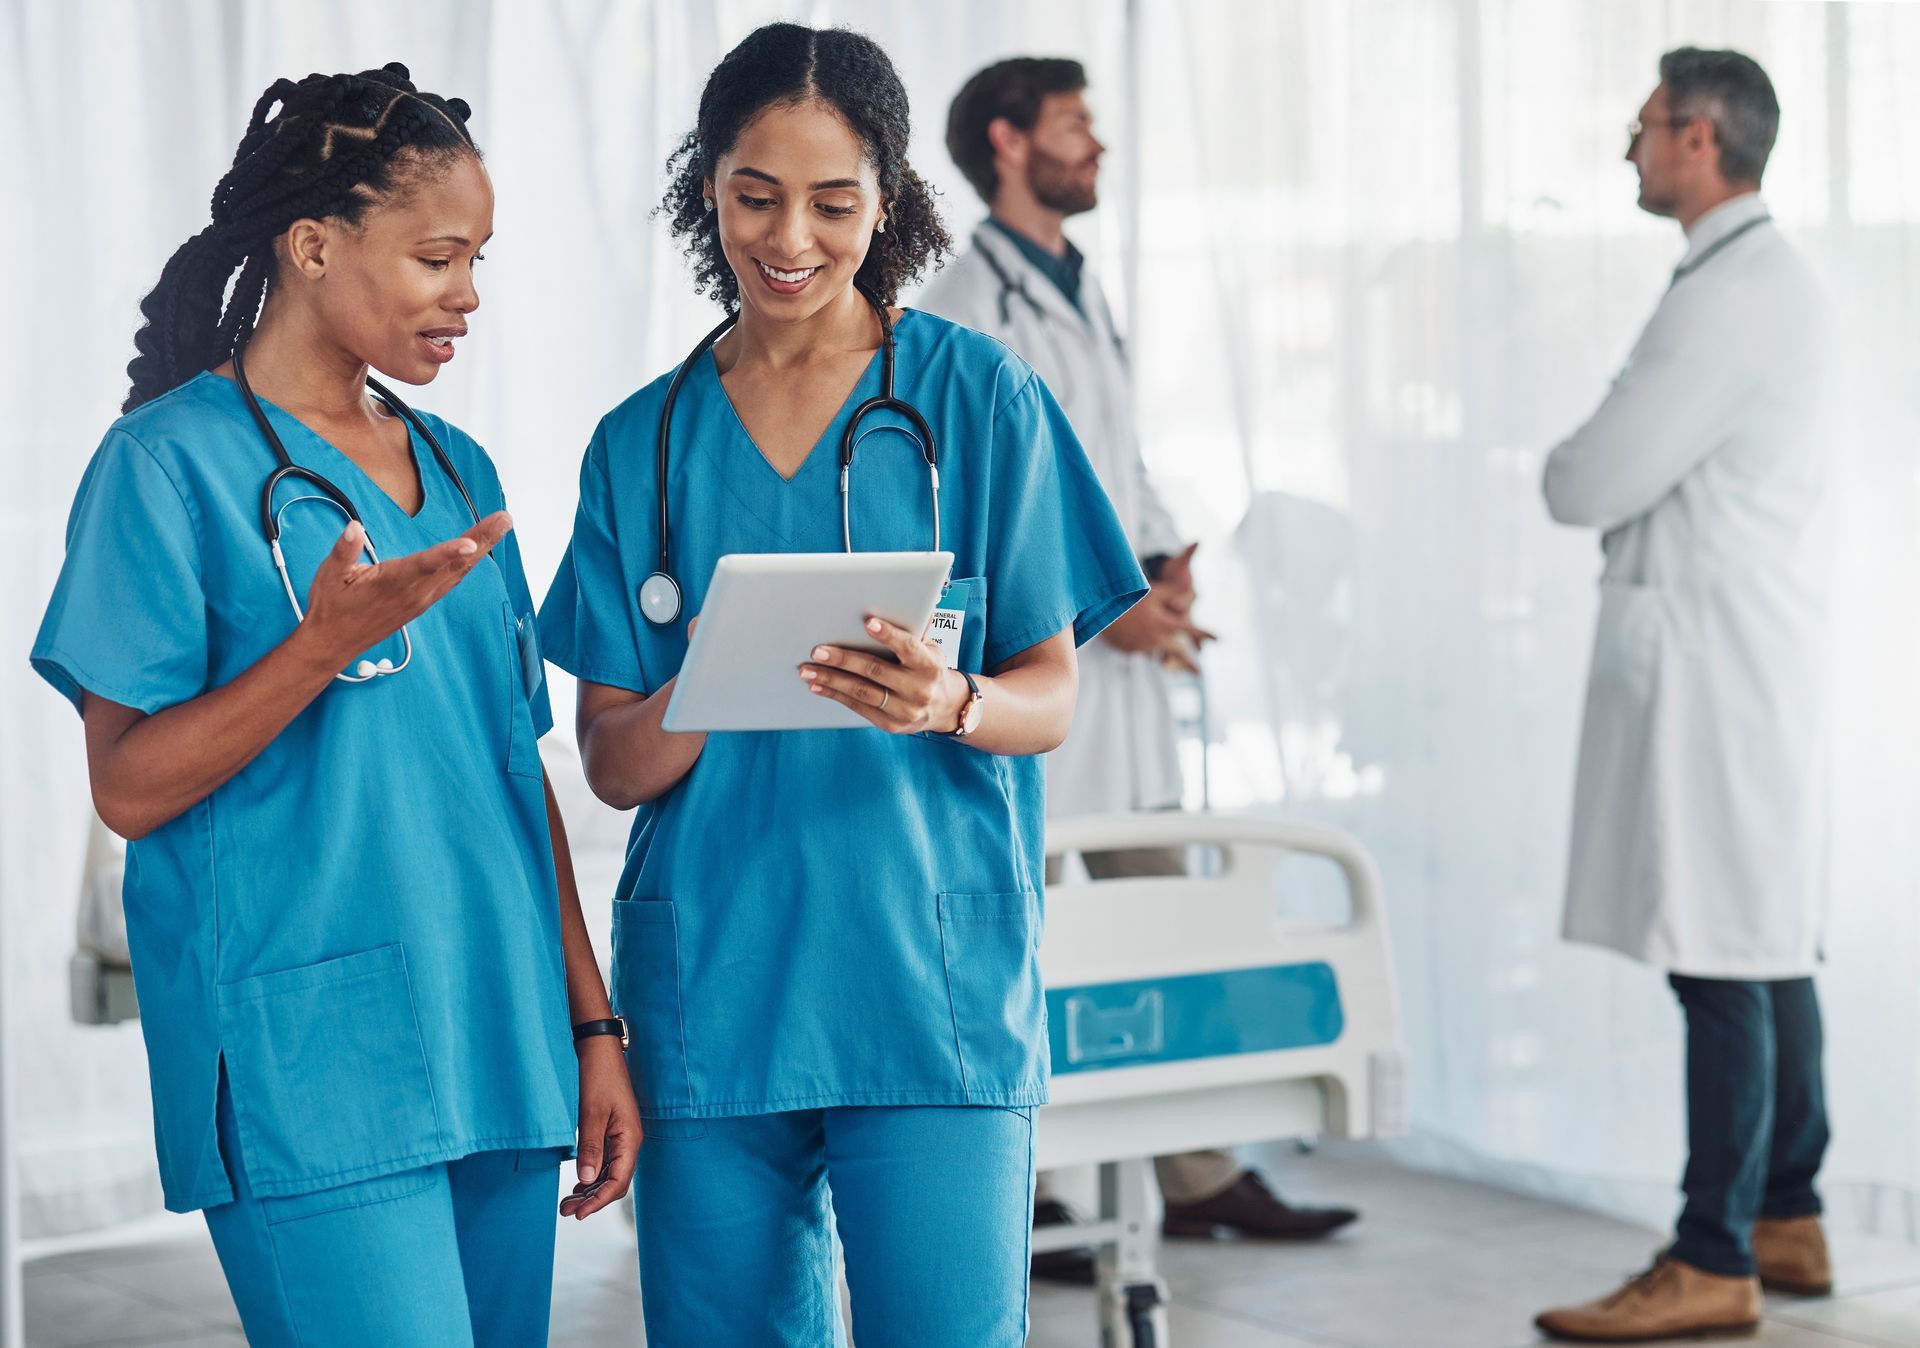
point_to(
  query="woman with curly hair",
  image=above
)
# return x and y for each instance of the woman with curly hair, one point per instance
(824, 943)
(354, 928)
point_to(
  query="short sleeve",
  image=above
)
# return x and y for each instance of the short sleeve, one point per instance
(1056, 553)
(128, 616)
(587, 622)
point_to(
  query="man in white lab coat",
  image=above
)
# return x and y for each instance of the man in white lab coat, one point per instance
(1700, 805)
(1022, 133)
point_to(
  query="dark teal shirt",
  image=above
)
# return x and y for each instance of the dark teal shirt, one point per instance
(1064, 272)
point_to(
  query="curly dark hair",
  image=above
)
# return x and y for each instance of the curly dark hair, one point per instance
(333, 149)
(786, 63)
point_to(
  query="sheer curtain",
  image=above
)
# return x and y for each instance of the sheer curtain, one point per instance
(1389, 255)
(1385, 255)
(124, 113)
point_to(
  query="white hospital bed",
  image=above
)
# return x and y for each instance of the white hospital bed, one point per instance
(1191, 1012)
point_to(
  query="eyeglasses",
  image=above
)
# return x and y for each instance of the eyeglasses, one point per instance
(1637, 128)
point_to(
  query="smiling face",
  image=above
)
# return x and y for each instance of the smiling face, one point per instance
(798, 200)
(395, 290)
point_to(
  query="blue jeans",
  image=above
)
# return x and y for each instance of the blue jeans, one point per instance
(1756, 1114)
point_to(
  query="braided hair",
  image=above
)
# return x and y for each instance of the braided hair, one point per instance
(331, 150)
(786, 63)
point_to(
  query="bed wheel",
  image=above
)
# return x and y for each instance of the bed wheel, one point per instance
(1135, 1316)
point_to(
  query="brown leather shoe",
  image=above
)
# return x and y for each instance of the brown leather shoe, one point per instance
(1668, 1300)
(1791, 1253)
(1250, 1208)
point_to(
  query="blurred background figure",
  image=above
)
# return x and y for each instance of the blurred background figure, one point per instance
(1372, 259)
(1022, 133)
(1700, 830)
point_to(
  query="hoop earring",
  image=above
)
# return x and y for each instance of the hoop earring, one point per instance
(706, 203)
(881, 228)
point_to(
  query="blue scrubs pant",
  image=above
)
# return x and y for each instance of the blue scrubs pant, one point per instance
(1756, 1114)
(933, 1205)
(455, 1255)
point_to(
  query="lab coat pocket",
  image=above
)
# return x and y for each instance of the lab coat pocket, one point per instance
(646, 990)
(1626, 643)
(523, 668)
(328, 1071)
(989, 944)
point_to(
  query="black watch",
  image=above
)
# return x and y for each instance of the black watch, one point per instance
(588, 1029)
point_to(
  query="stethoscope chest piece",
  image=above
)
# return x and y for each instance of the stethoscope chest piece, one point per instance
(659, 599)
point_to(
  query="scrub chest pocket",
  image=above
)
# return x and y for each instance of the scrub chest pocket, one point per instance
(328, 1073)
(967, 597)
(524, 676)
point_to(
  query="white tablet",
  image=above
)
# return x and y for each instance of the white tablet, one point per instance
(763, 615)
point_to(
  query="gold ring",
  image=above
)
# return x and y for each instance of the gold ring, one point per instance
(885, 693)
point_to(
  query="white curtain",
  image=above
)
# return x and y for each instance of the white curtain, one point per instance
(1385, 255)
(122, 114)
(1389, 255)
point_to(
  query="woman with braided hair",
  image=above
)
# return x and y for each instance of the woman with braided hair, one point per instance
(354, 929)
(825, 941)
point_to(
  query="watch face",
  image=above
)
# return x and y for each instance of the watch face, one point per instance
(970, 717)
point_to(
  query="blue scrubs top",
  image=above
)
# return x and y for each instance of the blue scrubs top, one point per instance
(820, 918)
(362, 925)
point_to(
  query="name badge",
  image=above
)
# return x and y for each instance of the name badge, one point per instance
(944, 629)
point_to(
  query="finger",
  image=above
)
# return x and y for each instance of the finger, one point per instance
(692, 623)
(1176, 658)
(443, 563)
(886, 673)
(907, 645)
(459, 555)
(1186, 555)
(489, 531)
(617, 1175)
(586, 1160)
(883, 719)
(852, 686)
(345, 552)
(1200, 635)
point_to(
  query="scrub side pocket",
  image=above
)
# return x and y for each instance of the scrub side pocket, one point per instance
(523, 747)
(646, 990)
(989, 944)
(328, 1073)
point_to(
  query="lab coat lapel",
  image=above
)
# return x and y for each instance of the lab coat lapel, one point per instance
(1044, 292)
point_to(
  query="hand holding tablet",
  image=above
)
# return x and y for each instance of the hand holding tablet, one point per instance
(765, 613)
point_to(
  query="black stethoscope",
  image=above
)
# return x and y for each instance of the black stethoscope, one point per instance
(270, 522)
(1010, 286)
(1686, 269)
(659, 592)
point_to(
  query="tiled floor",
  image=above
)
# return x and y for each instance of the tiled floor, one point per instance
(1436, 1263)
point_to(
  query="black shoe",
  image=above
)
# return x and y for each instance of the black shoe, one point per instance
(1075, 1266)
(1249, 1208)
